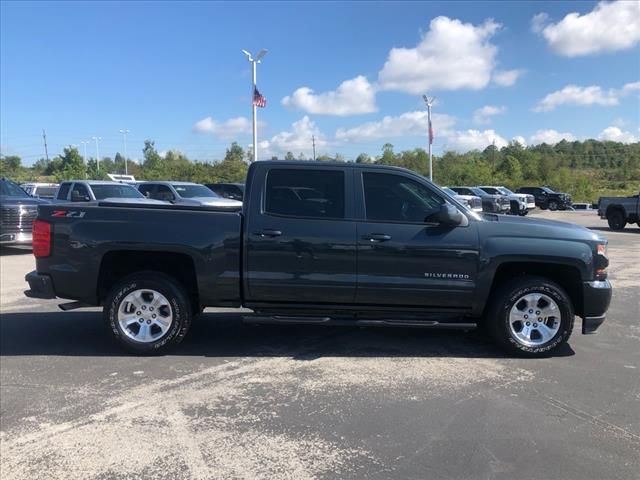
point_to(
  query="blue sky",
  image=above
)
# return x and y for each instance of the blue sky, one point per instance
(174, 73)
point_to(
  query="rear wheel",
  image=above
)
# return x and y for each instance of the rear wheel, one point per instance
(616, 220)
(148, 312)
(531, 317)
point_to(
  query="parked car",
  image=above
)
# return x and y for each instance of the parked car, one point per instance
(17, 212)
(98, 190)
(547, 198)
(372, 245)
(234, 191)
(472, 201)
(490, 203)
(40, 190)
(523, 201)
(185, 193)
(582, 206)
(619, 211)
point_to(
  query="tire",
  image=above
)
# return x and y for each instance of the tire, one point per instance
(148, 312)
(553, 205)
(616, 220)
(543, 206)
(514, 301)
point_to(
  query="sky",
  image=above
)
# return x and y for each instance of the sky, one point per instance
(352, 74)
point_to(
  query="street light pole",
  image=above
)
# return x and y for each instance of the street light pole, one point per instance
(254, 62)
(97, 153)
(429, 103)
(124, 135)
(84, 144)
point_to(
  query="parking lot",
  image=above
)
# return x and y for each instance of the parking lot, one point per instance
(239, 401)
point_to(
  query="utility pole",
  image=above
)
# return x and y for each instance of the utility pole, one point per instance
(84, 144)
(46, 151)
(97, 153)
(429, 102)
(124, 135)
(313, 139)
(254, 62)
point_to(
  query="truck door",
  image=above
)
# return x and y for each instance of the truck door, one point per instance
(403, 260)
(300, 236)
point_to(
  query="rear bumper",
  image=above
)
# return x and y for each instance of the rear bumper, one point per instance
(597, 297)
(40, 286)
(18, 239)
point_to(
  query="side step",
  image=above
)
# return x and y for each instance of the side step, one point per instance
(357, 322)
(72, 306)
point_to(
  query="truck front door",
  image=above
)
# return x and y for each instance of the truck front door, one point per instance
(300, 236)
(404, 259)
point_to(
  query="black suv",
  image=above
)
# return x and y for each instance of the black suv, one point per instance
(17, 211)
(547, 198)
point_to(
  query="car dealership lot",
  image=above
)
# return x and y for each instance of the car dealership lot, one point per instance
(238, 401)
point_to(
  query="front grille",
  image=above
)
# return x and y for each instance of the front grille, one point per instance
(17, 218)
(530, 199)
(476, 203)
(503, 201)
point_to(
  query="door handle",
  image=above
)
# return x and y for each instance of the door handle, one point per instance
(377, 237)
(268, 232)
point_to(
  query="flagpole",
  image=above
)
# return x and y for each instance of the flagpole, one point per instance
(255, 112)
(429, 102)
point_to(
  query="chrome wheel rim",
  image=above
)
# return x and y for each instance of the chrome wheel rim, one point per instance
(145, 315)
(534, 319)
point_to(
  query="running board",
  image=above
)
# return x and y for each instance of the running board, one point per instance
(304, 320)
(72, 306)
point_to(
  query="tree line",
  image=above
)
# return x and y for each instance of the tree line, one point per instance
(586, 169)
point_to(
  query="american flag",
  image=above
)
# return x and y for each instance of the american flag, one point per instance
(430, 133)
(258, 99)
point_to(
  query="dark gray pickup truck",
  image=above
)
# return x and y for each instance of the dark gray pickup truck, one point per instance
(324, 243)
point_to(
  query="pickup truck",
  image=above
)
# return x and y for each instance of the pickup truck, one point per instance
(324, 243)
(618, 211)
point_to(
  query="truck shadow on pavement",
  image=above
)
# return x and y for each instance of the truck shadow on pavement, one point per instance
(224, 335)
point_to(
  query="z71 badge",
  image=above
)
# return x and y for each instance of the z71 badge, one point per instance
(68, 213)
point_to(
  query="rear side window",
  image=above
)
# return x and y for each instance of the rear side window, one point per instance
(305, 193)
(63, 191)
(146, 190)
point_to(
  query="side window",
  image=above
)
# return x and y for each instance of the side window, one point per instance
(79, 193)
(396, 198)
(63, 191)
(146, 190)
(305, 193)
(164, 193)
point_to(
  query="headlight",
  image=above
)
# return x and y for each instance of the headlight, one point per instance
(601, 261)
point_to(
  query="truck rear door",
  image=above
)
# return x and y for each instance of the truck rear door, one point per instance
(300, 235)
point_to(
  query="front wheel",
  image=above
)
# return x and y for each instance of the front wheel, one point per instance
(148, 312)
(553, 205)
(531, 317)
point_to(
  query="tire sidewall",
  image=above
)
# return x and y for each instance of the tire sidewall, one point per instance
(615, 220)
(553, 205)
(176, 299)
(566, 319)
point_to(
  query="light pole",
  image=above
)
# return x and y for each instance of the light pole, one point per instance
(254, 62)
(124, 136)
(97, 153)
(84, 144)
(429, 102)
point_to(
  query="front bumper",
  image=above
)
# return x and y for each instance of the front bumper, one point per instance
(17, 239)
(40, 286)
(597, 297)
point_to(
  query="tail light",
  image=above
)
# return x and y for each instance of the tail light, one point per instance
(41, 238)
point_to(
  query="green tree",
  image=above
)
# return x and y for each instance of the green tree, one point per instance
(72, 166)
(235, 152)
(289, 156)
(363, 158)
(388, 156)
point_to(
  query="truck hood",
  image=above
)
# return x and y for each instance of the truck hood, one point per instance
(212, 202)
(5, 200)
(531, 227)
(133, 200)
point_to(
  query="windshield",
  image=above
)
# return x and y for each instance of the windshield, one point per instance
(10, 189)
(548, 190)
(478, 191)
(192, 191)
(491, 190)
(505, 191)
(115, 191)
(45, 192)
(449, 191)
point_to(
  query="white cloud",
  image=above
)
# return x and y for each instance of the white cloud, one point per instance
(451, 55)
(463, 141)
(611, 26)
(352, 97)
(227, 129)
(550, 137)
(295, 141)
(407, 124)
(506, 78)
(585, 96)
(520, 139)
(482, 116)
(616, 134)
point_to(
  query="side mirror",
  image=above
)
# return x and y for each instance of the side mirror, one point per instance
(448, 215)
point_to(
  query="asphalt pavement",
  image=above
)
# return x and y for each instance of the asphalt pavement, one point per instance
(307, 402)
